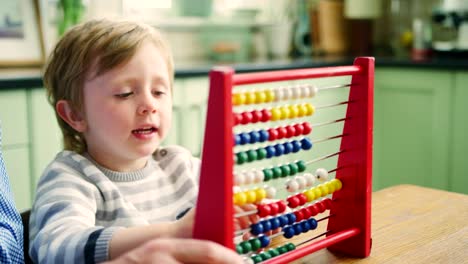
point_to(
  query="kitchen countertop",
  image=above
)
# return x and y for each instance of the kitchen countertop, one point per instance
(15, 78)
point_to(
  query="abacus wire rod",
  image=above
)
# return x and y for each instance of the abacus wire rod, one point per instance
(324, 157)
(329, 122)
(334, 86)
(329, 138)
(332, 105)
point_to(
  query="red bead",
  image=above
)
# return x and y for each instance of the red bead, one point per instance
(281, 206)
(314, 209)
(263, 210)
(282, 131)
(307, 128)
(328, 203)
(306, 212)
(302, 198)
(291, 131)
(272, 134)
(321, 207)
(299, 215)
(237, 118)
(256, 116)
(293, 201)
(266, 115)
(246, 117)
(298, 129)
(274, 209)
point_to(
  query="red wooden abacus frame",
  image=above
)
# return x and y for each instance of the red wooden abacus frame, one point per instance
(350, 227)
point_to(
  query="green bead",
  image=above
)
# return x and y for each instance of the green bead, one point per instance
(277, 172)
(265, 256)
(282, 249)
(301, 165)
(255, 243)
(285, 171)
(241, 157)
(251, 155)
(246, 247)
(273, 252)
(290, 246)
(239, 249)
(261, 153)
(268, 174)
(294, 168)
(257, 259)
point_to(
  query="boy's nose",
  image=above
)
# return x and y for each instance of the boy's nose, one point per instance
(147, 106)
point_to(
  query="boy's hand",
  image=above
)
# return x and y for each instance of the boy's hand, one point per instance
(183, 228)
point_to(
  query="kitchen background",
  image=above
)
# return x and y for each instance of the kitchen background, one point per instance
(421, 50)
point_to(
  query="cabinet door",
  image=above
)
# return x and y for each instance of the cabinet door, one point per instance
(459, 163)
(17, 166)
(412, 127)
(13, 117)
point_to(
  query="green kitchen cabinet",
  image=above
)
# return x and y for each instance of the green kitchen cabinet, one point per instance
(18, 169)
(412, 125)
(459, 143)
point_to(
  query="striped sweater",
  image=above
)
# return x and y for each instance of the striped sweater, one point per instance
(80, 204)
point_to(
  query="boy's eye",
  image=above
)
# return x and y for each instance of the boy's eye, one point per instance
(124, 95)
(158, 92)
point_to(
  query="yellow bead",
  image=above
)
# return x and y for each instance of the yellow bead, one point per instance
(302, 110)
(310, 195)
(238, 99)
(284, 112)
(261, 194)
(293, 111)
(337, 184)
(317, 192)
(330, 186)
(269, 96)
(275, 114)
(323, 188)
(310, 109)
(260, 97)
(240, 198)
(249, 97)
(251, 196)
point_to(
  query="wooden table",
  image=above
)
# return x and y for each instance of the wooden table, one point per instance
(412, 224)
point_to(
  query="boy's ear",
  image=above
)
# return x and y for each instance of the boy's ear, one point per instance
(69, 115)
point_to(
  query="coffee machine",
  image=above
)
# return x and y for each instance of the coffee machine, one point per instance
(450, 27)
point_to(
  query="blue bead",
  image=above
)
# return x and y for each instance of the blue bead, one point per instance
(283, 219)
(288, 232)
(254, 137)
(256, 229)
(263, 135)
(306, 144)
(266, 225)
(312, 223)
(288, 147)
(271, 152)
(305, 226)
(264, 240)
(279, 148)
(275, 223)
(237, 139)
(296, 146)
(291, 218)
(245, 138)
(297, 229)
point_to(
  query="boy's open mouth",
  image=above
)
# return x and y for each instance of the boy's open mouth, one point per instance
(147, 130)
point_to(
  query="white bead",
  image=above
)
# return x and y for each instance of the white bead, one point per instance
(305, 92)
(259, 177)
(249, 177)
(310, 179)
(270, 192)
(292, 185)
(239, 179)
(301, 181)
(321, 174)
(288, 93)
(279, 94)
(313, 90)
(236, 189)
(296, 92)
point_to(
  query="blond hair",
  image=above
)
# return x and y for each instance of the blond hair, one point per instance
(93, 48)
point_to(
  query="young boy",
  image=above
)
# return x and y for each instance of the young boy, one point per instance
(113, 187)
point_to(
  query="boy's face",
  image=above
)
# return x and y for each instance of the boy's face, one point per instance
(128, 110)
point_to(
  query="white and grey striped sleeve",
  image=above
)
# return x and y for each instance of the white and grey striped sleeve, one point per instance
(62, 224)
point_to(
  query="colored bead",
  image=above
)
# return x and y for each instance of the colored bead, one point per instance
(261, 194)
(288, 147)
(310, 195)
(281, 206)
(237, 118)
(337, 184)
(301, 165)
(296, 92)
(248, 177)
(321, 174)
(297, 229)
(302, 198)
(271, 152)
(310, 109)
(264, 240)
(266, 115)
(284, 112)
(246, 246)
(296, 146)
(240, 198)
(288, 232)
(251, 196)
(293, 201)
(260, 97)
(305, 92)
(283, 220)
(256, 229)
(305, 226)
(275, 114)
(246, 117)
(272, 134)
(290, 247)
(279, 94)
(266, 225)
(265, 256)
(321, 207)
(238, 98)
(330, 186)
(277, 173)
(312, 223)
(263, 210)
(282, 132)
(250, 97)
(302, 110)
(257, 259)
(292, 185)
(285, 170)
(251, 155)
(261, 153)
(273, 252)
(263, 135)
(269, 96)
(324, 189)
(244, 138)
(306, 144)
(271, 192)
(307, 128)
(274, 208)
(299, 215)
(267, 174)
(313, 90)
(301, 181)
(298, 129)
(236, 140)
(239, 179)
(287, 93)
(275, 223)
(310, 179)
(293, 111)
(293, 168)
(284, 249)
(239, 249)
(306, 212)
(314, 210)
(328, 203)
(279, 150)
(290, 131)
(256, 116)
(317, 192)
(291, 218)
(258, 175)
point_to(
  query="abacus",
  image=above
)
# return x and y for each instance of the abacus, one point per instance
(232, 141)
